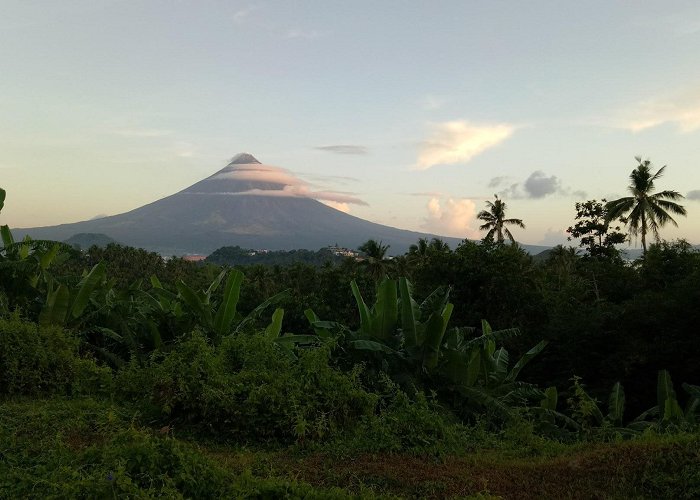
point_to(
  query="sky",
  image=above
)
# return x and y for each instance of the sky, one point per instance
(413, 113)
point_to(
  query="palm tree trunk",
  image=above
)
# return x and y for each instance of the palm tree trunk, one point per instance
(644, 235)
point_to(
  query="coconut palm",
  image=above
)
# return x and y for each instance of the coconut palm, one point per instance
(419, 253)
(376, 259)
(495, 221)
(646, 211)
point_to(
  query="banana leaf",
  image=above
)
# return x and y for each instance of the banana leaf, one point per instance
(85, 288)
(616, 404)
(227, 310)
(500, 363)
(7, 239)
(384, 314)
(365, 322)
(371, 345)
(257, 312)
(56, 306)
(664, 392)
(196, 303)
(409, 313)
(274, 329)
(527, 357)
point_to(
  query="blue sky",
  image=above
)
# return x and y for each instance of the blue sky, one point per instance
(419, 110)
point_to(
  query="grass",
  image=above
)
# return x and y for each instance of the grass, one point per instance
(86, 448)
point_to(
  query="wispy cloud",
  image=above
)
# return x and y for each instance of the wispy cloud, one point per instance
(430, 194)
(433, 102)
(337, 179)
(344, 149)
(681, 109)
(184, 149)
(305, 34)
(693, 195)
(460, 141)
(260, 17)
(497, 181)
(243, 15)
(142, 132)
(451, 217)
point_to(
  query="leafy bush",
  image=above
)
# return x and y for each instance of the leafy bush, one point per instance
(37, 360)
(248, 387)
(415, 425)
(88, 449)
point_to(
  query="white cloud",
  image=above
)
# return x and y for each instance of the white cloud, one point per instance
(343, 207)
(451, 217)
(460, 141)
(681, 110)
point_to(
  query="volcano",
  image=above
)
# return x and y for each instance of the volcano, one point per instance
(246, 203)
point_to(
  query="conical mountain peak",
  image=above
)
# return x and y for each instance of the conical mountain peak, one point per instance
(243, 159)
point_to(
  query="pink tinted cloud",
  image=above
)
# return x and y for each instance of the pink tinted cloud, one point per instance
(292, 186)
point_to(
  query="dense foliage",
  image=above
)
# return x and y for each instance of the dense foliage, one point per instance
(123, 374)
(237, 256)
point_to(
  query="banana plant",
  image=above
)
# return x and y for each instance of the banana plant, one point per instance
(666, 412)
(481, 373)
(65, 305)
(395, 325)
(219, 318)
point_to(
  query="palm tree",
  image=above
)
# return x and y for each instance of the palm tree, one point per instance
(495, 221)
(645, 210)
(376, 260)
(419, 253)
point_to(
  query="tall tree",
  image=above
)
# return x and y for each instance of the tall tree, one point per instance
(646, 211)
(593, 227)
(495, 221)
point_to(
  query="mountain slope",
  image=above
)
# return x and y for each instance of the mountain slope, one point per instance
(246, 204)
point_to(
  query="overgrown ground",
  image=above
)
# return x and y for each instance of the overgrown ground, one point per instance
(87, 448)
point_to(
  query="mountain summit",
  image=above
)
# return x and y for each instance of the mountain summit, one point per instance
(246, 203)
(243, 159)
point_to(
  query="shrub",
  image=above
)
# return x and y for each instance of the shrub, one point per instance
(417, 425)
(40, 360)
(248, 387)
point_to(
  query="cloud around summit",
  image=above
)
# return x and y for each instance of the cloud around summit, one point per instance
(289, 184)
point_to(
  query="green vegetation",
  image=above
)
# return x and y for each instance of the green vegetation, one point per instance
(495, 222)
(646, 211)
(125, 376)
(237, 256)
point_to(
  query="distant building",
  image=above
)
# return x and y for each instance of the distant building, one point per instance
(343, 252)
(194, 258)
